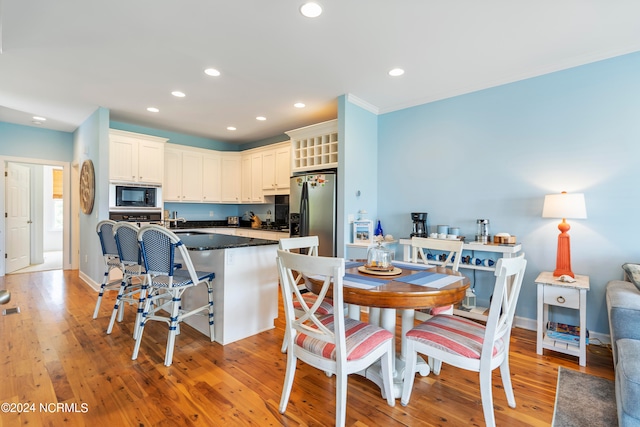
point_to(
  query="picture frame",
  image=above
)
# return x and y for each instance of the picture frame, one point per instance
(363, 232)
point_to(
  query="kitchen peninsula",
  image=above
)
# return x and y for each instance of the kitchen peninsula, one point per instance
(245, 289)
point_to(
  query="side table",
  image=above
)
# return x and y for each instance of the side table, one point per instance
(552, 291)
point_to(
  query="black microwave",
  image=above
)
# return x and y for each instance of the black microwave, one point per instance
(131, 196)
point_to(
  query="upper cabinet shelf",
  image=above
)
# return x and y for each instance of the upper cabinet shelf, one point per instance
(314, 147)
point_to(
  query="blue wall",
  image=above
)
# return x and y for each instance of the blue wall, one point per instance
(495, 154)
(34, 142)
(177, 138)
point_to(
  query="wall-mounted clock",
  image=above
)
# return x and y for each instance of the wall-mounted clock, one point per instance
(87, 187)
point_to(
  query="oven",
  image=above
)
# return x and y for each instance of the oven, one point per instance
(139, 218)
(125, 197)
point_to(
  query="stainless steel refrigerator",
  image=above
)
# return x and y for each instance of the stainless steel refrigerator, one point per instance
(312, 209)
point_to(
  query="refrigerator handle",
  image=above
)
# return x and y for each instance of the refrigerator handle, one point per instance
(304, 211)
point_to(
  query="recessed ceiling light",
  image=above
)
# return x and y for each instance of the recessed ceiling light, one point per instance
(212, 72)
(178, 94)
(396, 72)
(153, 110)
(261, 118)
(231, 128)
(299, 105)
(311, 9)
(39, 119)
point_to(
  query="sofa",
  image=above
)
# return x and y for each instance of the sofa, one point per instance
(623, 308)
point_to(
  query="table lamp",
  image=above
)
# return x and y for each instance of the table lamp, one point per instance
(564, 206)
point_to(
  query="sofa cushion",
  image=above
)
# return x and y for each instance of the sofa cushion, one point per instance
(633, 273)
(623, 307)
(628, 382)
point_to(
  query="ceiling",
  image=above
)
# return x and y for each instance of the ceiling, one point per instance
(63, 59)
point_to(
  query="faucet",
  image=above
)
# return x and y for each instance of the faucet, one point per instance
(168, 221)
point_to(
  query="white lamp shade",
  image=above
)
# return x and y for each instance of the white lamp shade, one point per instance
(564, 205)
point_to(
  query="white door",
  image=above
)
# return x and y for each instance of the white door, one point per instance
(18, 221)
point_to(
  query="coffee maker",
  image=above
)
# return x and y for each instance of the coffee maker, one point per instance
(419, 224)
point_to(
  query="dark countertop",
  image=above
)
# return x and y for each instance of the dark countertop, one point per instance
(195, 241)
(223, 224)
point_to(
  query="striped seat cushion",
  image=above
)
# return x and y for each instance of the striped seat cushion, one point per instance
(361, 339)
(453, 334)
(326, 307)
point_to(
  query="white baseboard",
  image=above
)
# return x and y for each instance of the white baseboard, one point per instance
(89, 281)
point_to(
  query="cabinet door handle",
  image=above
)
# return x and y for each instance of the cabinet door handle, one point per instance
(561, 300)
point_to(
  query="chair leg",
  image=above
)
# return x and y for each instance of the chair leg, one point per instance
(173, 329)
(341, 398)
(506, 383)
(212, 332)
(141, 302)
(143, 320)
(285, 341)
(387, 375)
(409, 372)
(116, 307)
(487, 397)
(288, 380)
(100, 294)
(435, 365)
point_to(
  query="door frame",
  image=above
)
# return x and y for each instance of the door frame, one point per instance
(69, 258)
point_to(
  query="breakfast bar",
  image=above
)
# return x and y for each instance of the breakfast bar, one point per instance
(245, 289)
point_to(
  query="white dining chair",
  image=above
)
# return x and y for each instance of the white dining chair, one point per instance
(166, 284)
(133, 286)
(469, 345)
(333, 343)
(308, 245)
(110, 259)
(453, 248)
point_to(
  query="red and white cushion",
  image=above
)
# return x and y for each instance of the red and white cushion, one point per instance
(326, 306)
(361, 338)
(453, 334)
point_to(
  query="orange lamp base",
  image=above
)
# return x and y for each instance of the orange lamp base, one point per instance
(563, 257)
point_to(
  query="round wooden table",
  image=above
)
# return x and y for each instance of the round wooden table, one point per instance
(395, 295)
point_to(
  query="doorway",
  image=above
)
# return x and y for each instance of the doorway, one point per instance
(34, 207)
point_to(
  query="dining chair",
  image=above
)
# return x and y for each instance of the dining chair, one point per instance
(110, 258)
(330, 343)
(469, 345)
(126, 237)
(309, 245)
(454, 253)
(166, 284)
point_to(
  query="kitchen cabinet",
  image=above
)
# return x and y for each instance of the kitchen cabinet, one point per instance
(314, 147)
(276, 169)
(231, 177)
(252, 177)
(135, 157)
(183, 175)
(211, 178)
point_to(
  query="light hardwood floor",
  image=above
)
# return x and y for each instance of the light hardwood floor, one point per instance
(54, 352)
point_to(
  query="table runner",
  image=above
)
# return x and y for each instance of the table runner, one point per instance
(426, 278)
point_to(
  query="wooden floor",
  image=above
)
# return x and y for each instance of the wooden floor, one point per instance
(53, 353)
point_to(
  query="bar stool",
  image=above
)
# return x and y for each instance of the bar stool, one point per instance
(166, 284)
(110, 257)
(126, 237)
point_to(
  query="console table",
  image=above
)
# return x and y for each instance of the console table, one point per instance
(501, 251)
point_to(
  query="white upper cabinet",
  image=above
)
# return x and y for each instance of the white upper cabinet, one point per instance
(315, 147)
(231, 177)
(276, 169)
(183, 175)
(135, 157)
(212, 177)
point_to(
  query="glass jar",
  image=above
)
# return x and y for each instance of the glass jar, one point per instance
(379, 258)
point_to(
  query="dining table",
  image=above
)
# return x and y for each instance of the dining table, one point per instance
(408, 287)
